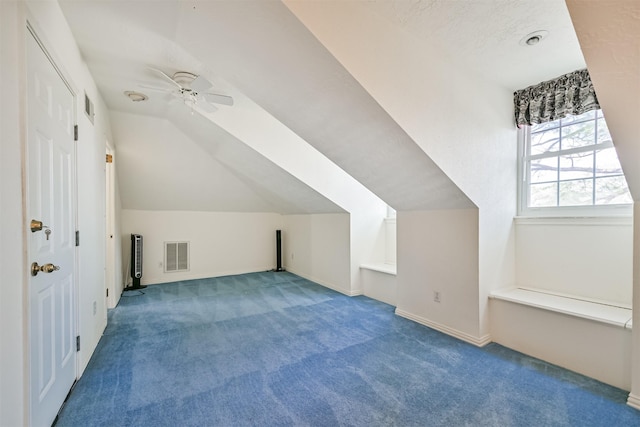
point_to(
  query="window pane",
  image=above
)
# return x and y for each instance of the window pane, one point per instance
(603, 132)
(577, 165)
(576, 193)
(543, 195)
(574, 164)
(578, 135)
(607, 162)
(612, 191)
(544, 170)
(544, 142)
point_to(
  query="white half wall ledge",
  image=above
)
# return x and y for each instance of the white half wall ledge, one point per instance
(575, 306)
(380, 267)
(463, 336)
(592, 348)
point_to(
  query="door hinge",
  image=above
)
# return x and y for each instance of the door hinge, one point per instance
(109, 158)
(78, 343)
(77, 237)
(75, 132)
(107, 292)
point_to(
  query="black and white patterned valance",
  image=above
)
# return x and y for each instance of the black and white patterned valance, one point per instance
(571, 94)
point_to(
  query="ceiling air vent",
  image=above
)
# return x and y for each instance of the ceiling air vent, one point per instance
(176, 256)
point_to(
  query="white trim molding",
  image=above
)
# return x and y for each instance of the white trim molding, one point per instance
(603, 220)
(463, 336)
(633, 401)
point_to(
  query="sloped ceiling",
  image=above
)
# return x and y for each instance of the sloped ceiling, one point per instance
(163, 163)
(609, 33)
(260, 52)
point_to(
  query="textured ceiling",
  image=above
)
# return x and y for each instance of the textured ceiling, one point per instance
(485, 35)
(262, 55)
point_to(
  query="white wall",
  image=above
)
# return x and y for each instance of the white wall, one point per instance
(120, 274)
(287, 150)
(596, 349)
(318, 248)
(13, 299)
(90, 152)
(608, 33)
(462, 122)
(221, 243)
(52, 29)
(390, 240)
(438, 252)
(591, 258)
(379, 285)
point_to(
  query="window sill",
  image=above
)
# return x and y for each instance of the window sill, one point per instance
(575, 220)
(381, 268)
(572, 212)
(573, 306)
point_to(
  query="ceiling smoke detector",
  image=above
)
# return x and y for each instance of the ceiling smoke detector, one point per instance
(136, 96)
(534, 38)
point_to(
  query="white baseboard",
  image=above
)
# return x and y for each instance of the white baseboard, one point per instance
(348, 292)
(183, 277)
(477, 341)
(633, 401)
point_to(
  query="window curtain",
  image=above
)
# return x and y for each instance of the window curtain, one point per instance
(570, 94)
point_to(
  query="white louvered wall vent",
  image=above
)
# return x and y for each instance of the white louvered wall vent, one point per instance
(89, 109)
(176, 256)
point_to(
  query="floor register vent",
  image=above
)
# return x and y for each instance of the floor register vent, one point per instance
(176, 256)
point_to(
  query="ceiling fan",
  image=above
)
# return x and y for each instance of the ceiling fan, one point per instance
(192, 90)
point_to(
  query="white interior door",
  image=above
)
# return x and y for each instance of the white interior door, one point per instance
(51, 166)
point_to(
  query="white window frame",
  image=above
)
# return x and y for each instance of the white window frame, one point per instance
(524, 210)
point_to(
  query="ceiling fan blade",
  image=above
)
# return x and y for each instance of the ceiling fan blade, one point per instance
(218, 99)
(206, 107)
(200, 84)
(165, 76)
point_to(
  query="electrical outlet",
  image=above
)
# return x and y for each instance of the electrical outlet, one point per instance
(436, 296)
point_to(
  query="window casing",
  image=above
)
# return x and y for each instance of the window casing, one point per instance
(569, 167)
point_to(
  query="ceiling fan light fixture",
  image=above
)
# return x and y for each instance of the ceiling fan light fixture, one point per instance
(534, 38)
(183, 78)
(136, 96)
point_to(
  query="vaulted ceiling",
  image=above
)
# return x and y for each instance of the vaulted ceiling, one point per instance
(283, 78)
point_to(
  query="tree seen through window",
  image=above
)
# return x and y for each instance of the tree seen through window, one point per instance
(572, 162)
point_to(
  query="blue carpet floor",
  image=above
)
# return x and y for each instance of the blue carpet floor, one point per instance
(273, 349)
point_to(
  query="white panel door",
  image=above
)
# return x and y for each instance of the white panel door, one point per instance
(50, 165)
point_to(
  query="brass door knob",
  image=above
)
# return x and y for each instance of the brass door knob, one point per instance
(46, 268)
